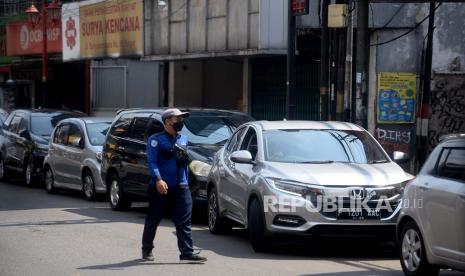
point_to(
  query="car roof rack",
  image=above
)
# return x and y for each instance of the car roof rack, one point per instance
(451, 136)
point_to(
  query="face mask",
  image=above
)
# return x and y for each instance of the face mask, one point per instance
(178, 126)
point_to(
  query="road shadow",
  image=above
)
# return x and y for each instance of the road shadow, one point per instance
(132, 263)
(237, 245)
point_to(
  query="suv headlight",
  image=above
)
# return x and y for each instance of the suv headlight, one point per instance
(295, 188)
(199, 168)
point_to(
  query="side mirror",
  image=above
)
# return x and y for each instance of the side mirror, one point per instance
(400, 157)
(242, 157)
(24, 134)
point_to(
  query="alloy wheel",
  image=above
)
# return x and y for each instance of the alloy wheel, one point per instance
(88, 186)
(411, 250)
(114, 193)
(212, 210)
(49, 180)
(28, 174)
(2, 169)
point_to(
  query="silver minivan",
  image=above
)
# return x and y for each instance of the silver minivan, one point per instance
(303, 177)
(431, 227)
(75, 155)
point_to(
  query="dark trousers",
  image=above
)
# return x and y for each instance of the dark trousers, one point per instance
(179, 202)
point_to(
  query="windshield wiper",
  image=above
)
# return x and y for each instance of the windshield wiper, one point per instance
(378, 161)
(318, 162)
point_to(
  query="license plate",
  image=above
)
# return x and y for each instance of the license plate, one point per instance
(358, 214)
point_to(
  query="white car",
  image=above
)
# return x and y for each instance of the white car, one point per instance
(431, 225)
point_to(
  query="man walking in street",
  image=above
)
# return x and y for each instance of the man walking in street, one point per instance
(167, 159)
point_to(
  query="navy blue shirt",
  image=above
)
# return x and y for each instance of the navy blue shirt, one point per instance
(162, 159)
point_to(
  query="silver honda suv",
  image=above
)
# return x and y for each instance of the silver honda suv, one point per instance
(302, 177)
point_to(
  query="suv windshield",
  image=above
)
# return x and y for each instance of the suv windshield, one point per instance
(97, 132)
(43, 124)
(211, 129)
(322, 146)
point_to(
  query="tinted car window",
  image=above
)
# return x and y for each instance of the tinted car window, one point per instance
(235, 139)
(61, 135)
(155, 126)
(8, 120)
(42, 124)
(97, 132)
(452, 164)
(139, 128)
(22, 125)
(203, 129)
(122, 127)
(74, 136)
(13, 127)
(250, 143)
(308, 146)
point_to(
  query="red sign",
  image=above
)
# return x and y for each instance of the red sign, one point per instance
(299, 7)
(25, 39)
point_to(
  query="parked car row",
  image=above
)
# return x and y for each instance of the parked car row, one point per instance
(124, 162)
(24, 142)
(295, 164)
(268, 177)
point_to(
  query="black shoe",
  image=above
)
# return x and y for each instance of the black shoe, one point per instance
(194, 258)
(147, 256)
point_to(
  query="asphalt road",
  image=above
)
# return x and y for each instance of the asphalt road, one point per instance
(42, 234)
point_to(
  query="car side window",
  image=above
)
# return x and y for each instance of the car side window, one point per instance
(22, 125)
(122, 127)
(155, 126)
(13, 127)
(235, 139)
(8, 120)
(61, 135)
(75, 138)
(452, 164)
(139, 127)
(250, 143)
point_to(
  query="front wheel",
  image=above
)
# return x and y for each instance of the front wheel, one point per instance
(118, 199)
(216, 223)
(3, 171)
(412, 253)
(256, 227)
(88, 186)
(49, 181)
(28, 173)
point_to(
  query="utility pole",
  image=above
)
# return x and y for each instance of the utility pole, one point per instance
(426, 100)
(324, 63)
(362, 57)
(291, 39)
(348, 68)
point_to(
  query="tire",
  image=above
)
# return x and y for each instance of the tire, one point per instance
(118, 199)
(412, 253)
(3, 171)
(28, 174)
(216, 223)
(49, 181)
(88, 186)
(256, 227)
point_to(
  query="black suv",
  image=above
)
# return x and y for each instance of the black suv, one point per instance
(124, 162)
(24, 141)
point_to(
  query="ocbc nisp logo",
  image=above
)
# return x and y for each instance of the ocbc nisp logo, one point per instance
(71, 33)
(24, 37)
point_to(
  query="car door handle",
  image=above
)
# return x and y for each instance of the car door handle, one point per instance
(121, 148)
(423, 188)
